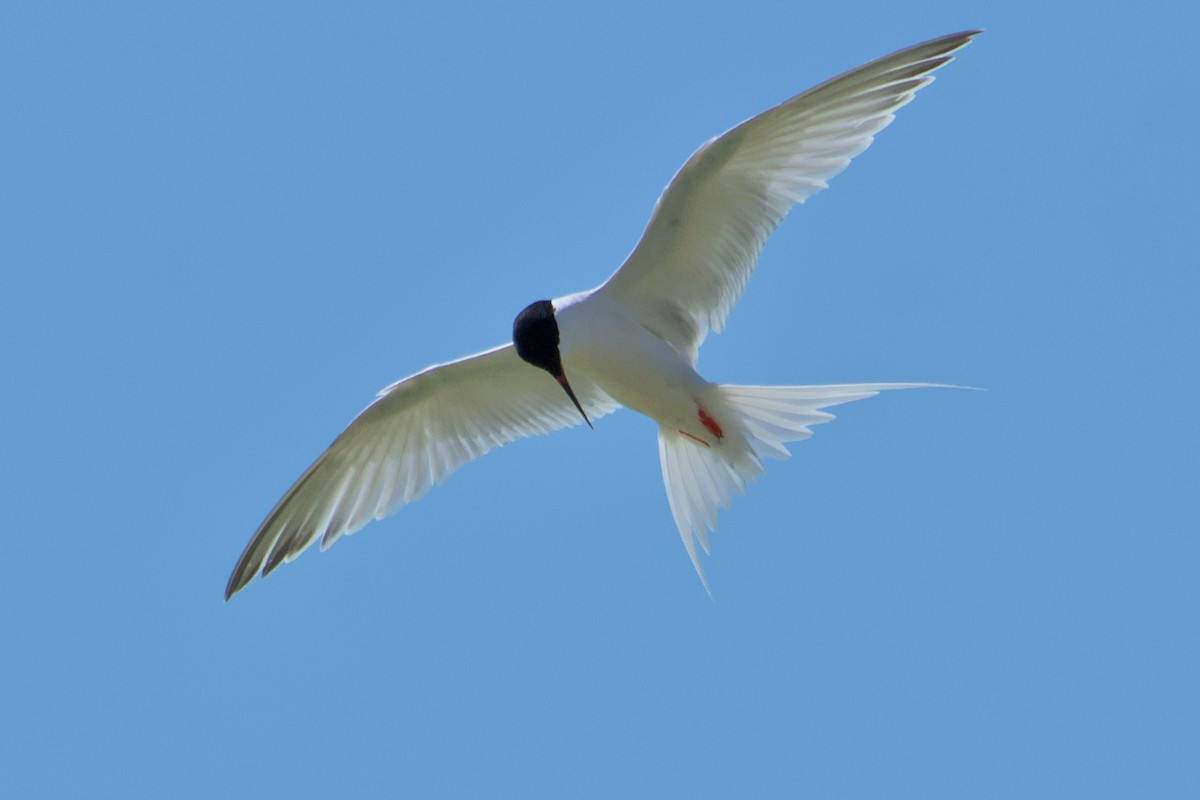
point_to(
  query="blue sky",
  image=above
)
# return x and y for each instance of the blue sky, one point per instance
(226, 225)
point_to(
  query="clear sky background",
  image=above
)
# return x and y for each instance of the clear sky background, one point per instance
(224, 226)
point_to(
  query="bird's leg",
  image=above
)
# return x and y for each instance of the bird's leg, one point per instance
(710, 423)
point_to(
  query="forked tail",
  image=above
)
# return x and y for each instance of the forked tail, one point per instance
(701, 479)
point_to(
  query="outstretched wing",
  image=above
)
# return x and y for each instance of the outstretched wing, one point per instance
(709, 225)
(417, 432)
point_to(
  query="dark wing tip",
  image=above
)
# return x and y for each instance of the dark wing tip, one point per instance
(238, 579)
(233, 586)
(963, 36)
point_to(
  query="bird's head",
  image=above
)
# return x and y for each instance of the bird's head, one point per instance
(535, 336)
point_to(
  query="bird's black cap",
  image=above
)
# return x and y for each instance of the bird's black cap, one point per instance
(535, 337)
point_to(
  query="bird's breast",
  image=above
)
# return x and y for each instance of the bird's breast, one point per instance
(636, 368)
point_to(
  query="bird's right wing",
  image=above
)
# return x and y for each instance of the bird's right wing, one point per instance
(708, 227)
(417, 432)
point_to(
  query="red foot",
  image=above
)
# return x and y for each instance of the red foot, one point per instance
(710, 423)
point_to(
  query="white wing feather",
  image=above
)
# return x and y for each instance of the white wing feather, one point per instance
(416, 433)
(708, 227)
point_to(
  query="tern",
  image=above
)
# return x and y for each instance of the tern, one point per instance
(633, 341)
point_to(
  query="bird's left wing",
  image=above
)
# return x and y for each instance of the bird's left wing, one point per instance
(707, 228)
(417, 432)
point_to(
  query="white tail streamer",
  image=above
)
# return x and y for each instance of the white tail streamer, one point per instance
(700, 479)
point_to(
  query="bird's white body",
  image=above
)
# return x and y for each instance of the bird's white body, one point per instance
(604, 341)
(633, 341)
